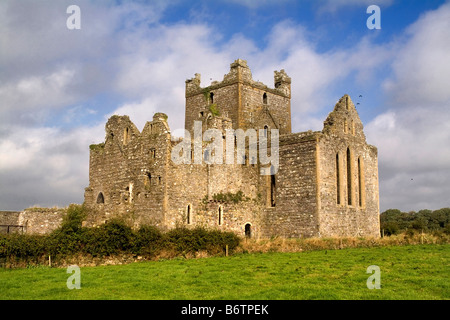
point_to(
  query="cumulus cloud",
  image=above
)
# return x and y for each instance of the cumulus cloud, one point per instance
(331, 6)
(414, 134)
(146, 66)
(422, 67)
(124, 51)
(45, 166)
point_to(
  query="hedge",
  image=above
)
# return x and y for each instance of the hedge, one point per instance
(113, 238)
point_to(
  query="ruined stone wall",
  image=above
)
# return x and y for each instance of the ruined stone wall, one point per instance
(295, 211)
(263, 106)
(9, 222)
(352, 208)
(198, 102)
(230, 216)
(128, 172)
(193, 184)
(241, 99)
(133, 176)
(41, 220)
(31, 220)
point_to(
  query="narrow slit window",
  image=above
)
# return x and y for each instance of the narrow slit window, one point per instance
(361, 183)
(266, 131)
(338, 181)
(148, 180)
(265, 98)
(126, 136)
(188, 214)
(272, 191)
(220, 222)
(349, 178)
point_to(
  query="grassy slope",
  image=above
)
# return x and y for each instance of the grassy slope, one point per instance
(407, 272)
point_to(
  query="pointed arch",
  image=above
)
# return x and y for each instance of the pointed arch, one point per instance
(100, 198)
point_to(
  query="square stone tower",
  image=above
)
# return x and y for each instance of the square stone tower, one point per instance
(247, 103)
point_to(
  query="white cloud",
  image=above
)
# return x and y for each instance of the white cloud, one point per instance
(146, 64)
(412, 137)
(331, 6)
(34, 92)
(253, 4)
(45, 166)
(422, 65)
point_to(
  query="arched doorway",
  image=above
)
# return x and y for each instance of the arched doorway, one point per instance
(248, 230)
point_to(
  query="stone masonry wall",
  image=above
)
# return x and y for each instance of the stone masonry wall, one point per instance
(357, 215)
(31, 220)
(295, 212)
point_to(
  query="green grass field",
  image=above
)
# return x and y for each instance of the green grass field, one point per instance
(407, 272)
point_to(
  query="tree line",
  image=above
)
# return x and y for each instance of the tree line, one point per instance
(394, 221)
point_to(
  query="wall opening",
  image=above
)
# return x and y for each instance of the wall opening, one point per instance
(100, 198)
(272, 190)
(265, 98)
(189, 214)
(248, 230)
(211, 98)
(126, 136)
(220, 220)
(361, 186)
(338, 181)
(266, 131)
(148, 180)
(349, 178)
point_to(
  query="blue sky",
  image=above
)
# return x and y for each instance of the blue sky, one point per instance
(59, 86)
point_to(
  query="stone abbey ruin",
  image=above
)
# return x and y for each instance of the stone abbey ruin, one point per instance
(326, 183)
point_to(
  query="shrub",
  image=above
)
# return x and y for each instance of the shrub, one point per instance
(65, 242)
(26, 247)
(148, 241)
(72, 221)
(185, 240)
(111, 238)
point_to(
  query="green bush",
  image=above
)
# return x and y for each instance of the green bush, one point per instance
(25, 247)
(148, 241)
(185, 240)
(111, 238)
(73, 219)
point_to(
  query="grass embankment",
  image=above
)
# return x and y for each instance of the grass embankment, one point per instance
(407, 272)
